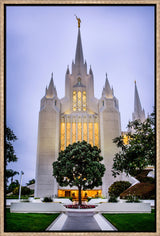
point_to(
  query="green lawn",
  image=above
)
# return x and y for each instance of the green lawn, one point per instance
(136, 222)
(28, 222)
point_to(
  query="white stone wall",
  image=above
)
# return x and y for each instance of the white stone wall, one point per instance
(109, 129)
(47, 150)
(124, 208)
(37, 207)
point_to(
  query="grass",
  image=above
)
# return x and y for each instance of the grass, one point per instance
(28, 222)
(17, 197)
(136, 222)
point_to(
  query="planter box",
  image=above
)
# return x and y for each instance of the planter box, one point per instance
(124, 208)
(29, 207)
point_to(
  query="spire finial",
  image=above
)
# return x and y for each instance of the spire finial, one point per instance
(79, 21)
(52, 75)
(135, 81)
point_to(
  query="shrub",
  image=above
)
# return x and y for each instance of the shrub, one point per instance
(132, 198)
(24, 191)
(113, 198)
(81, 206)
(47, 199)
(118, 187)
(145, 179)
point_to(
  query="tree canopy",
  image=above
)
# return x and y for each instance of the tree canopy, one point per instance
(139, 152)
(79, 165)
(32, 181)
(10, 155)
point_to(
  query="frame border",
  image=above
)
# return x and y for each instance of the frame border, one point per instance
(157, 103)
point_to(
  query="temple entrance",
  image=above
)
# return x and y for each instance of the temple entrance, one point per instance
(67, 193)
(85, 194)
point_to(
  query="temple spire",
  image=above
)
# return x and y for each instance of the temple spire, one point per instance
(138, 113)
(107, 91)
(79, 52)
(51, 91)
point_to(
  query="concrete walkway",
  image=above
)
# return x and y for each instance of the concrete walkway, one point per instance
(81, 221)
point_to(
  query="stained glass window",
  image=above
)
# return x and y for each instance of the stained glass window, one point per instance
(84, 101)
(79, 100)
(85, 131)
(62, 136)
(74, 100)
(91, 133)
(79, 131)
(96, 134)
(68, 133)
(73, 132)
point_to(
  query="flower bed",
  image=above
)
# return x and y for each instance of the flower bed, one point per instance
(80, 207)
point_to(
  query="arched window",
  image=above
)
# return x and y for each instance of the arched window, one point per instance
(74, 100)
(84, 101)
(79, 100)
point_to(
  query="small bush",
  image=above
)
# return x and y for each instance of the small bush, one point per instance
(132, 198)
(113, 198)
(47, 199)
(145, 179)
(118, 187)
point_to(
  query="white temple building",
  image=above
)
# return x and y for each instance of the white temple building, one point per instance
(78, 116)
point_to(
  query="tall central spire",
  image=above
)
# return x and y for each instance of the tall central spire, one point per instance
(79, 52)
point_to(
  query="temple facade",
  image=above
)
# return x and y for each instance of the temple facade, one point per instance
(78, 116)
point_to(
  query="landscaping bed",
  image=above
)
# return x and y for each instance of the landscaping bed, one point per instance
(80, 207)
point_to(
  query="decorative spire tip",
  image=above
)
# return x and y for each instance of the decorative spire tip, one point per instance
(79, 21)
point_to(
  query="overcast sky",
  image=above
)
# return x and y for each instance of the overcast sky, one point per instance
(117, 40)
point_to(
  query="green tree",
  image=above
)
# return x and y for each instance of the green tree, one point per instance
(140, 150)
(24, 191)
(79, 165)
(10, 155)
(12, 186)
(32, 181)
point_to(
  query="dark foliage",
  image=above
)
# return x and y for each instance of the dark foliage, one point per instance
(140, 150)
(118, 187)
(47, 199)
(79, 165)
(10, 155)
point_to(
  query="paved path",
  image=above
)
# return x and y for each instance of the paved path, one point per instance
(80, 222)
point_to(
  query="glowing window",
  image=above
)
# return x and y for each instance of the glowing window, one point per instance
(74, 100)
(96, 135)
(85, 131)
(68, 133)
(84, 101)
(62, 136)
(79, 131)
(79, 100)
(73, 132)
(91, 133)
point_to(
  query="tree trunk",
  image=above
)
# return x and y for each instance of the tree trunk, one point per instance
(79, 189)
